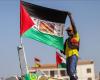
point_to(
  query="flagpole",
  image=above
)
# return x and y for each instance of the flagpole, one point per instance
(22, 60)
(21, 41)
(22, 56)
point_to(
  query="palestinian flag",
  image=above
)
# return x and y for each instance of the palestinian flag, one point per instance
(60, 61)
(42, 24)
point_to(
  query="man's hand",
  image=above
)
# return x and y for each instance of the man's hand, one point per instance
(62, 52)
(69, 14)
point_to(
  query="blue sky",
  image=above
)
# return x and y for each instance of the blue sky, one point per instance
(87, 18)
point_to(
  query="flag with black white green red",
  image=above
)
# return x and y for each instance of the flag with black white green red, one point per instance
(60, 61)
(42, 24)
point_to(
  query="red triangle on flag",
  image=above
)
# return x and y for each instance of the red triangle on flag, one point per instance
(25, 20)
(58, 58)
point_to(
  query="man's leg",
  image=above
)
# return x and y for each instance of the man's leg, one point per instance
(68, 65)
(71, 67)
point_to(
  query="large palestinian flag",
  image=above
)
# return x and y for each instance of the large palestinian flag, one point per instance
(42, 24)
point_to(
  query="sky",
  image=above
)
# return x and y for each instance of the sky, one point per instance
(86, 15)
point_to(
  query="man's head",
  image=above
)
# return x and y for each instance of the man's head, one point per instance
(69, 31)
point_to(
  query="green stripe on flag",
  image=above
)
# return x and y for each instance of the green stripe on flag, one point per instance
(27, 77)
(48, 39)
(62, 65)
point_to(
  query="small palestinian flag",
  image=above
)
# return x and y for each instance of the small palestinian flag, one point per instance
(60, 61)
(42, 24)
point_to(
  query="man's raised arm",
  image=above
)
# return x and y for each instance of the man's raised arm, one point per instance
(72, 23)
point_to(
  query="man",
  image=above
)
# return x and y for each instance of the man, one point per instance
(71, 48)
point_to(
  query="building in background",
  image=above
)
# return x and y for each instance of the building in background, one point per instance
(85, 70)
(97, 76)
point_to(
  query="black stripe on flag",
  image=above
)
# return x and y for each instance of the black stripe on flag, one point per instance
(44, 13)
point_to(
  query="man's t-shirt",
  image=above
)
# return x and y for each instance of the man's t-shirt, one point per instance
(68, 51)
